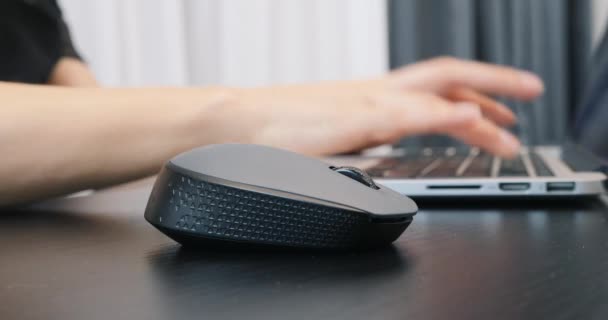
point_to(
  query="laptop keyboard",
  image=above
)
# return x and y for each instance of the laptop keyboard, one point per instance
(512, 168)
(407, 167)
(542, 170)
(480, 166)
(445, 167)
(450, 162)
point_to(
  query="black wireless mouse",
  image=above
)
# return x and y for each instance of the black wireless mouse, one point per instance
(236, 194)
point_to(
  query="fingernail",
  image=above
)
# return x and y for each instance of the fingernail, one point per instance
(510, 142)
(531, 81)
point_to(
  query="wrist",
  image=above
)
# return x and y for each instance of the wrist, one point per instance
(213, 115)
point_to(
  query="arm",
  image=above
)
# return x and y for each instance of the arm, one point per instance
(62, 140)
(72, 72)
(57, 140)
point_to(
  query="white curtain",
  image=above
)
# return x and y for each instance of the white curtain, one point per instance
(232, 42)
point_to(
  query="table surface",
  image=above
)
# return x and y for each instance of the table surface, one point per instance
(95, 257)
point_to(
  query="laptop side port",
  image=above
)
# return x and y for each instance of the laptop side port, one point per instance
(454, 186)
(560, 186)
(514, 186)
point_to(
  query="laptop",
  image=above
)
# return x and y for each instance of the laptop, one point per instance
(570, 170)
(544, 171)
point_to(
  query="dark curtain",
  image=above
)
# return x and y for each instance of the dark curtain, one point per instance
(549, 37)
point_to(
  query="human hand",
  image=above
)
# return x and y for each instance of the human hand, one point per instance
(95, 137)
(438, 96)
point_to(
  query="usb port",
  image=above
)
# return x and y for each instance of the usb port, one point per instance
(514, 186)
(560, 186)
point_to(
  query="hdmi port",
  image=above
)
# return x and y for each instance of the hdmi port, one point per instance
(560, 186)
(514, 186)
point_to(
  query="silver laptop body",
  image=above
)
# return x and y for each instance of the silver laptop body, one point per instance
(467, 172)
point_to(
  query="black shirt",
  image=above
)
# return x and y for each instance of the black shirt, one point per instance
(33, 37)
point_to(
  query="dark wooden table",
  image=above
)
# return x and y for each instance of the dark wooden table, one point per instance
(96, 258)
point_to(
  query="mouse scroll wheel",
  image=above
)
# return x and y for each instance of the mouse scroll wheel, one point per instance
(357, 175)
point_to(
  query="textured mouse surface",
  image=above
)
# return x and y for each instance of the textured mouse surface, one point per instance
(264, 196)
(293, 173)
(182, 206)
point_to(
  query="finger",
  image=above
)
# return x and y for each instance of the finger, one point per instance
(492, 109)
(442, 74)
(486, 135)
(420, 113)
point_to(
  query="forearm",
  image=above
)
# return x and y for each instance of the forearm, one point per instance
(58, 140)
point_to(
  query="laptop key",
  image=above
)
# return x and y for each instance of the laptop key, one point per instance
(410, 167)
(542, 170)
(481, 166)
(382, 166)
(512, 168)
(387, 163)
(375, 172)
(446, 168)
